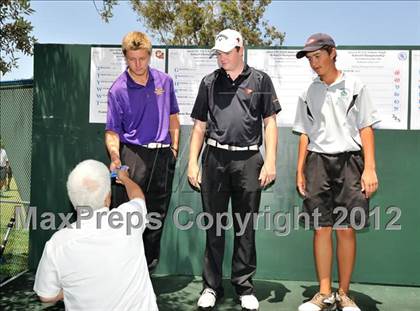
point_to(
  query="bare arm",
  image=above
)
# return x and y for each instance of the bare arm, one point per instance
(112, 142)
(59, 297)
(369, 179)
(196, 142)
(174, 126)
(133, 190)
(302, 153)
(268, 171)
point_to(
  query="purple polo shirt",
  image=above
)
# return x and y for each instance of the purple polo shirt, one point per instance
(140, 114)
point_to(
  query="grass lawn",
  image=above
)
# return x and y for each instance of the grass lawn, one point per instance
(15, 256)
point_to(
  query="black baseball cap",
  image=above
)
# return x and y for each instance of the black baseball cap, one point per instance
(315, 42)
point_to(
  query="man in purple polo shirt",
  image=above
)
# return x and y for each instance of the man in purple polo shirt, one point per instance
(142, 131)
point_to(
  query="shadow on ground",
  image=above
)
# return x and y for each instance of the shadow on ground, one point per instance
(182, 292)
(18, 295)
(173, 293)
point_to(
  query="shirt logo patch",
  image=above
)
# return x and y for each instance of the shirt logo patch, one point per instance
(159, 91)
(344, 93)
(248, 91)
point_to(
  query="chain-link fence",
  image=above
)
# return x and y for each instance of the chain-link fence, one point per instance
(15, 179)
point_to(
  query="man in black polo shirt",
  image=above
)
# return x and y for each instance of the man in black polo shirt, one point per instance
(231, 107)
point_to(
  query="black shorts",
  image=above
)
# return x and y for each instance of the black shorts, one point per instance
(333, 191)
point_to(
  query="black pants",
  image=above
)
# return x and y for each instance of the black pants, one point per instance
(153, 170)
(231, 175)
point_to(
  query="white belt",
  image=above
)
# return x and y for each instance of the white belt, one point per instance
(156, 145)
(215, 143)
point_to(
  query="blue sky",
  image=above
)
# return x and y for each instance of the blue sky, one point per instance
(349, 22)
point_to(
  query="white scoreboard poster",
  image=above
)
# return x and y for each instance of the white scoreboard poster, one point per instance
(415, 90)
(386, 74)
(187, 67)
(384, 71)
(106, 64)
(290, 76)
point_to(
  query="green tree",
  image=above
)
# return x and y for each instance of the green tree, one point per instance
(15, 32)
(196, 22)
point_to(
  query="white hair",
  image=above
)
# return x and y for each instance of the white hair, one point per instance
(89, 184)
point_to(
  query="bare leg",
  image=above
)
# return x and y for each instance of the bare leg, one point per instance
(323, 253)
(346, 254)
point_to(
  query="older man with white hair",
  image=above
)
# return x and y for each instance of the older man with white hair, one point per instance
(98, 263)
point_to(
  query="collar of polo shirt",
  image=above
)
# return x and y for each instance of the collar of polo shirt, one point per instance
(134, 84)
(246, 71)
(340, 78)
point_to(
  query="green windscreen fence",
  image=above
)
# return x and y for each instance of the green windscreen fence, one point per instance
(388, 252)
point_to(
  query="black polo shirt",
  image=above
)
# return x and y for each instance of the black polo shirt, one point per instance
(234, 109)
